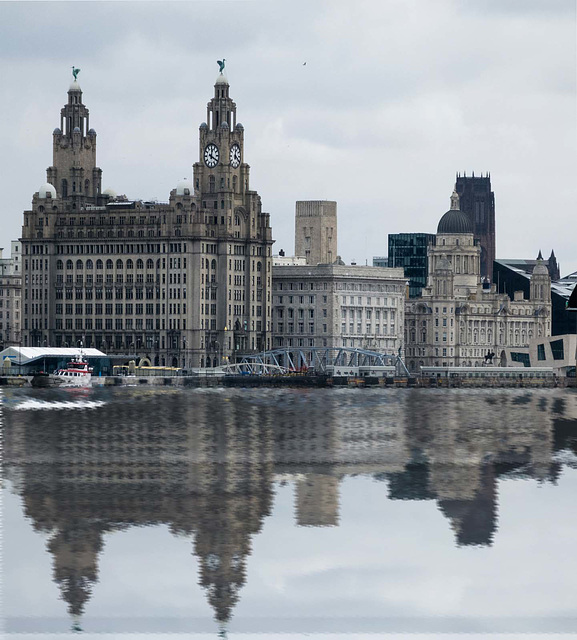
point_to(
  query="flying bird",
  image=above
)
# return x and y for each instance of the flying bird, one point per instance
(304, 64)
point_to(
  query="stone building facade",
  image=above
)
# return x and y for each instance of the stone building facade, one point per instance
(459, 319)
(185, 283)
(316, 231)
(10, 296)
(337, 305)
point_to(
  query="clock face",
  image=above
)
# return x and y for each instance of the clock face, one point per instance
(234, 156)
(211, 155)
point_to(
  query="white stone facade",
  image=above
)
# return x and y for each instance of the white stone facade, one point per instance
(333, 305)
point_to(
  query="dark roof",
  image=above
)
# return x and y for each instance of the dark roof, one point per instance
(455, 221)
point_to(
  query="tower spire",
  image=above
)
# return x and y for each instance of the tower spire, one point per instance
(455, 200)
(74, 173)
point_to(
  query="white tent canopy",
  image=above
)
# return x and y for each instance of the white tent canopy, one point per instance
(25, 355)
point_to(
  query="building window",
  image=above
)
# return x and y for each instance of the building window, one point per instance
(557, 349)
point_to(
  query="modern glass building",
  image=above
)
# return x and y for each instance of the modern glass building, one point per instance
(409, 250)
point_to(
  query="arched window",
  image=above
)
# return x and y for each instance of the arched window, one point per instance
(59, 265)
(86, 187)
(129, 264)
(150, 263)
(139, 264)
(234, 183)
(64, 188)
(119, 264)
(213, 264)
(158, 263)
(79, 264)
(211, 184)
(109, 264)
(69, 264)
(89, 264)
(99, 264)
(259, 266)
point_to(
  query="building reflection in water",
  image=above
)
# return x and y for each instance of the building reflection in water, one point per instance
(206, 463)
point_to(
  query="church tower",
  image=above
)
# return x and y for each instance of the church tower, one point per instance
(477, 200)
(74, 173)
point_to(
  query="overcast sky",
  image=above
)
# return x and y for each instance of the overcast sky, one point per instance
(396, 97)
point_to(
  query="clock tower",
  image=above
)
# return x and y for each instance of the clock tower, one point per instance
(235, 257)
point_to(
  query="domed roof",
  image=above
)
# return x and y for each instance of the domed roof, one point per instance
(239, 126)
(540, 269)
(184, 187)
(76, 130)
(455, 221)
(91, 132)
(74, 86)
(46, 189)
(221, 79)
(203, 126)
(224, 124)
(110, 193)
(57, 131)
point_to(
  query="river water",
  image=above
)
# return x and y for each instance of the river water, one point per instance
(218, 512)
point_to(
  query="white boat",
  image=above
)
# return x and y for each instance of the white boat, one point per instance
(76, 374)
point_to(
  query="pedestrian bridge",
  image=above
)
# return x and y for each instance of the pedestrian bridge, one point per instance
(252, 368)
(320, 360)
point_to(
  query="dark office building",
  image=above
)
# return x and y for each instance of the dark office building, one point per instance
(515, 275)
(478, 201)
(409, 250)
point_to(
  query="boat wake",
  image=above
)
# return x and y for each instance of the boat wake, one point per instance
(42, 405)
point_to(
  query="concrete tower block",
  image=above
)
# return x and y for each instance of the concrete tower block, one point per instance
(316, 231)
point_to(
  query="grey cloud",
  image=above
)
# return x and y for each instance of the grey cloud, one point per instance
(403, 93)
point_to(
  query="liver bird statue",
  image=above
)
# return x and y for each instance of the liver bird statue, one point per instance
(221, 64)
(75, 71)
